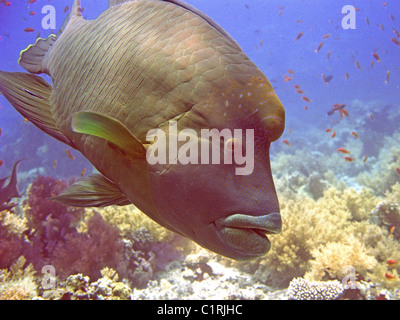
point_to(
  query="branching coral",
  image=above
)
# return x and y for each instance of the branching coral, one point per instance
(330, 260)
(11, 244)
(18, 283)
(78, 287)
(129, 219)
(88, 253)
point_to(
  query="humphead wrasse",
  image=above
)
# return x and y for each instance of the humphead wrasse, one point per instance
(142, 65)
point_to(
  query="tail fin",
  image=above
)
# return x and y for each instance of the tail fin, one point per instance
(10, 190)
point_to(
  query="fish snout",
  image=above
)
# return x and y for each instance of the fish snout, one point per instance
(247, 234)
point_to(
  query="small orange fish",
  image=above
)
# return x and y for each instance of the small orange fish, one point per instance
(328, 130)
(365, 159)
(83, 172)
(397, 33)
(286, 78)
(381, 27)
(55, 164)
(389, 276)
(299, 91)
(333, 134)
(387, 76)
(391, 230)
(286, 142)
(398, 170)
(326, 36)
(66, 9)
(1, 131)
(296, 86)
(32, 13)
(367, 21)
(328, 55)
(327, 79)
(1, 162)
(68, 153)
(358, 65)
(299, 35)
(349, 159)
(385, 4)
(306, 99)
(31, 1)
(7, 3)
(391, 262)
(347, 76)
(343, 113)
(354, 134)
(395, 41)
(306, 108)
(376, 57)
(29, 30)
(291, 71)
(343, 150)
(371, 117)
(25, 120)
(319, 47)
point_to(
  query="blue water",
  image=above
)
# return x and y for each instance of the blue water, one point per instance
(266, 30)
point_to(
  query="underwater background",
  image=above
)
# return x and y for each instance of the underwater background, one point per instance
(336, 169)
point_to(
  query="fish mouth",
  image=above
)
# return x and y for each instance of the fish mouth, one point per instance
(247, 234)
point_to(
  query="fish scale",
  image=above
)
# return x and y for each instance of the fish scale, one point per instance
(140, 98)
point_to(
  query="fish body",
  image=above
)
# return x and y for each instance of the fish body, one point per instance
(336, 107)
(146, 65)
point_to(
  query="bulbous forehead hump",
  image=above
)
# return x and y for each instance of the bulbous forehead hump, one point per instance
(253, 102)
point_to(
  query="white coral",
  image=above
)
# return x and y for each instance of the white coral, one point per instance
(302, 289)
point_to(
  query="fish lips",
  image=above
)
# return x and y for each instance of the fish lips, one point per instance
(246, 234)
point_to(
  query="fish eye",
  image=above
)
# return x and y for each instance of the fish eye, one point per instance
(231, 144)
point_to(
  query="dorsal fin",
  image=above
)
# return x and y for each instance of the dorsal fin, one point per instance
(33, 59)
(112, 3)
(188, 7)
(76, 13)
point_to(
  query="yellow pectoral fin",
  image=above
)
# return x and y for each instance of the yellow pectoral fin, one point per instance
(112, 130)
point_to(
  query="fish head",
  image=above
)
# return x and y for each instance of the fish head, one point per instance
(226, 206)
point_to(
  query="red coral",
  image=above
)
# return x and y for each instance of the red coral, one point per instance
(41, 206)
(89, 253)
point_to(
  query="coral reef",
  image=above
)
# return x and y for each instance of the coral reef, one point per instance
(383, 174)
(11, 244)
(330, 260)
(78, 287)
(18, 283)
(129, 218)
(321, 237)
(328, 228)
(301, 289)
(77, 242)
